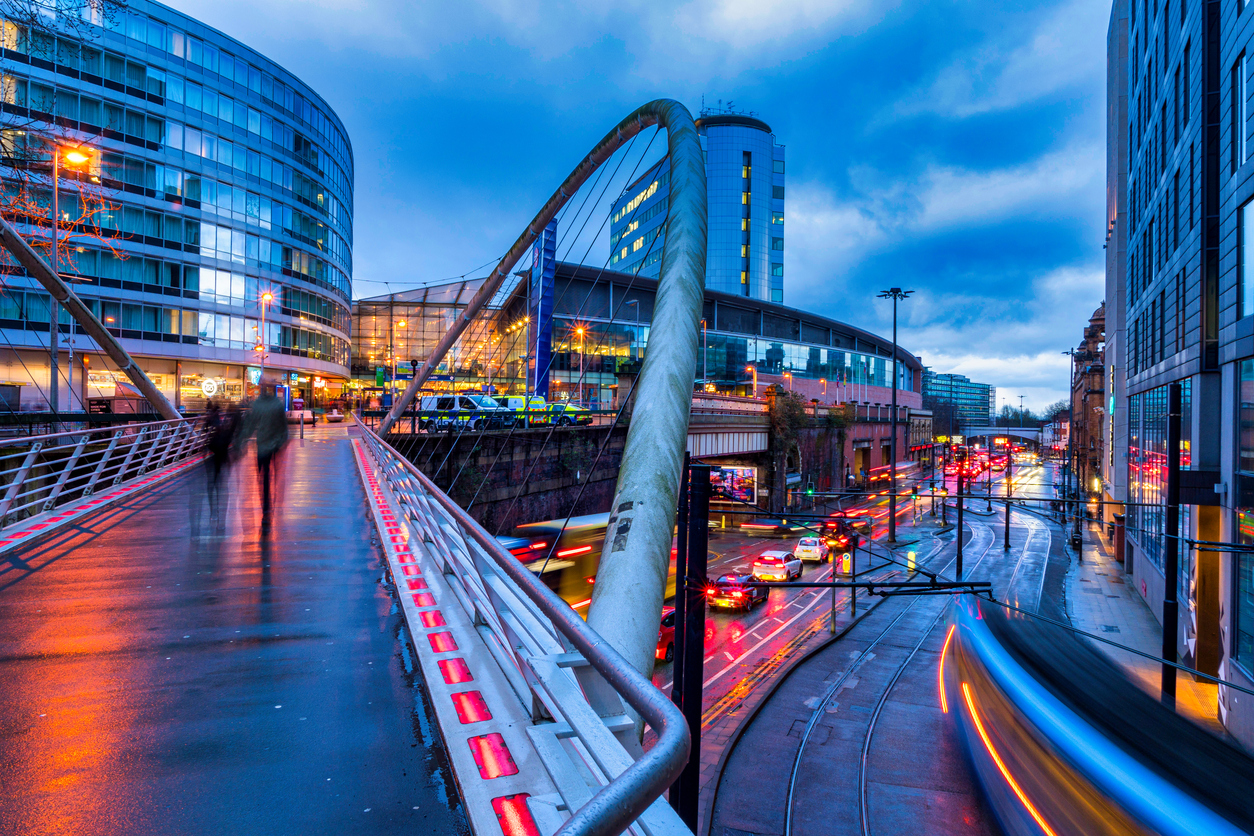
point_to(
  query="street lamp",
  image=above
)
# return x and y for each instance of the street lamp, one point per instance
(395, 355)
(897, 295)
(579, 392)
(823, 380)
(266, 298)
(788, 377)
(754, 371)
(74, 156)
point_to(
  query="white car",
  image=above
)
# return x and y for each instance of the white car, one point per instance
(811, 548)
(776, 566)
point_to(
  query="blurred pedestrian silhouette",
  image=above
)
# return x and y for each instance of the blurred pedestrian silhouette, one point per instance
(266, 420)
(221, 429)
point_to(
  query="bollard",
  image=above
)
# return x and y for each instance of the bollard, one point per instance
(910, 561)
(302, 423)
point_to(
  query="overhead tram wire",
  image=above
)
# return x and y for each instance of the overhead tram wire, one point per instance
(608, 182)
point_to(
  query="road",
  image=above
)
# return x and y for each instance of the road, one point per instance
(854, 741)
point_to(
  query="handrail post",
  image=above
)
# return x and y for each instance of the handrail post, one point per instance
(18, 479)
(130, 454)
(90, 488)
(51, 501)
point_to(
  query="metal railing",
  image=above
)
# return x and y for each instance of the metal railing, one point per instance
(39, 473)
(569, 679)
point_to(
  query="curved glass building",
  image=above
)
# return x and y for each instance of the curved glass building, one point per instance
(744, 175)
(225, 181)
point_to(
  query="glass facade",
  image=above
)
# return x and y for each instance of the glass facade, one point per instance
(600, 328)
(1147, 473)
(744, 171)
(975, 403)
(220, 175)
(1243, 617)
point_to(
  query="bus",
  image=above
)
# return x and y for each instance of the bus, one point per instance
(569, 568)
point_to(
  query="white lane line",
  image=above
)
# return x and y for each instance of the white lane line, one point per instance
(729, 656)
(780, 620)
(707, 659)
(716, 677)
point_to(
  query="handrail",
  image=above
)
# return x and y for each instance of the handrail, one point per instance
(629, 794)
(42, 472)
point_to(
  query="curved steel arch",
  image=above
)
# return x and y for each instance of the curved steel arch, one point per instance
(631, 581)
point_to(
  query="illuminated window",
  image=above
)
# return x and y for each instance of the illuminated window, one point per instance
(623, 254)
(745, 171)
(777, 217)
(744, 224)
(744, 250)
(635, 245)
(744, 198)
(744, 276)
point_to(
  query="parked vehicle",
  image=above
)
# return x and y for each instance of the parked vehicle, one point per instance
(528, 411)
(812, 549)
(448, 413)
(566, 414)
(730, 592)
(776, 566)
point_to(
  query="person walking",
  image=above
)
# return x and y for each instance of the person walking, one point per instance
(266, 420)
(221, 430)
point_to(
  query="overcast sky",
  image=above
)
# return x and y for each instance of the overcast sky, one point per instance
(956, 148)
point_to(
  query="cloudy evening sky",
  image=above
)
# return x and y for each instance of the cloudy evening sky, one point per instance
(956, 148)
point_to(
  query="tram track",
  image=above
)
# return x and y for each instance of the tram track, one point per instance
(987, 539)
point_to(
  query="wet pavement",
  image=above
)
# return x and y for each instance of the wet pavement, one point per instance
(168, 670)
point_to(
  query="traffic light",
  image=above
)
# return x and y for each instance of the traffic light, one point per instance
(810, 490)
(914, 491)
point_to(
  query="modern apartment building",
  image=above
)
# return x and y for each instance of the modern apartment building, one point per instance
(744, 170)
(223, 178)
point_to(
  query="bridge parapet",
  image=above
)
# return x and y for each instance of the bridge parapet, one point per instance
(48, 480)
(573, 692)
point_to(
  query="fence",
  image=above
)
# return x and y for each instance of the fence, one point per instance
(41, 472)
(577, 688)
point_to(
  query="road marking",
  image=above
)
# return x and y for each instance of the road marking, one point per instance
(780, 620)
(716, 677)
(729, 656)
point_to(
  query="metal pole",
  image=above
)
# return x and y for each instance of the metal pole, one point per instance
(54, 327)
(1171, 546)
(35, 266)
(694, 643)
(1005, 539)
(892, 444)
(681, 597)
(960, 508)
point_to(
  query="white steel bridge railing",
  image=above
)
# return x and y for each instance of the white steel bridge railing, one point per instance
(42, 472)
(577, 689)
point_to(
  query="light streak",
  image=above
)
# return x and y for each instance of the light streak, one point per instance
(1005, 773)
(940, 672)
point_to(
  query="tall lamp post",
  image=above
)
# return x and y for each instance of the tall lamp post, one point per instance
(263, 338)
(75, 156)
(1067, 470)
(579, 393)
(754, 371)
(896, 294)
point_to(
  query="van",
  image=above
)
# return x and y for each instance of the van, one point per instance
(528, 411)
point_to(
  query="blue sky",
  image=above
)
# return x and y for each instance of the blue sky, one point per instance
(956, 148)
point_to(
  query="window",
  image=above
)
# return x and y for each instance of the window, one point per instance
(1175, 212)
(744, 276)
(777, 270)
(777, 217)
(1245, 257)
(1179, 311)
(777, 244)
(778, 167)
(1185, 91)
(777, 192)
(744, 224)
(744, 198)
(1236, 127)
(1190, 188)
(1161, 335)
(1175, 119)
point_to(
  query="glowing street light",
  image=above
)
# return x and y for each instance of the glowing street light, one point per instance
(74, 156)
(266, 298)
(754, 371)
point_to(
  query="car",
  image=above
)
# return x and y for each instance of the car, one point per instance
(666, 636)
(566, 414)
(951, 470)
(731, 592)
(776, 566)
(811, 548)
